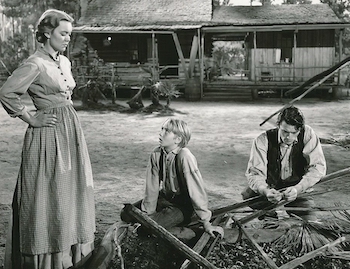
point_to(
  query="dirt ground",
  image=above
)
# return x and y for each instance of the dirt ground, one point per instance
(222, 133)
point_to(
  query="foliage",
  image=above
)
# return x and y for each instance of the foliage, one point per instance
(167, 89)
(14, 51)
(228, 58)
(340, 7)
(297, 2)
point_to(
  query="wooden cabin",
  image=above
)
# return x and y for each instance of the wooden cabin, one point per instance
(269, 47)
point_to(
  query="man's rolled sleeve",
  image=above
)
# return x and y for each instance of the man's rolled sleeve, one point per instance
(316, 161)
(257, 165)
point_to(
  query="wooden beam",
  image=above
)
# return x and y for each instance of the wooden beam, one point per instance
(340, 52)
(294, 53)
(263, 254)
(328, 73)
(201, 243)
(308, 256)
(160, 231)
(254, 60)
(179, 52)
(193, 55)
(201, 45)
(250, 201)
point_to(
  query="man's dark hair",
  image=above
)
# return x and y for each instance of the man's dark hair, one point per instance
(292, 116)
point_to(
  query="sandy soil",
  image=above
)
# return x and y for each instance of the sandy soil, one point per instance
(222, 133)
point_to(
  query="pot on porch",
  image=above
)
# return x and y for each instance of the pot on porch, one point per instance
(340, 92)
(193, 89)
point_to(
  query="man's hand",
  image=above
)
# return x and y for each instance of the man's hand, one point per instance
(273, 195)
(290, 194)
(210, 229)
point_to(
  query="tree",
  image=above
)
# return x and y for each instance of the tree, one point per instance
(288, 2)
(27, 12)
(14, 51)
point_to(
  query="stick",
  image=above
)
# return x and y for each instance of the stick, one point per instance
(230, 208)
(302, 209)
(201, 243)
(266, 258)
(320, 75)
(226, 209)
(164, 234)
(298, 261)
(306, 92)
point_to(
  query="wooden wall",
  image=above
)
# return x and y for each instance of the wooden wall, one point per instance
(306, 63)
(279, 57)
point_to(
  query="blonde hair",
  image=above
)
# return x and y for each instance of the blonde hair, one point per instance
(48, 21)
(179, 128)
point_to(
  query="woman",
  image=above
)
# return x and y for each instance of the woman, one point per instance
(53, 205)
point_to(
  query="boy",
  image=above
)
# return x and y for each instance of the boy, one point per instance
(174, 185)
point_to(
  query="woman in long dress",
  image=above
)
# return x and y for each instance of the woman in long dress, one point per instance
(53, 220)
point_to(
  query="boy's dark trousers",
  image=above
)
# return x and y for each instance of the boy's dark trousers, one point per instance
(167, 214)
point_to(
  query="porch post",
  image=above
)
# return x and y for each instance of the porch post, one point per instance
(155, 76)
(254, 69)
(340, 52)
(294, 53)
(201, 46)
(193, 55)
(179, 52)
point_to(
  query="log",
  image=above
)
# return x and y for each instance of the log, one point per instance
(324, 75)
(201, 243)
(320, 75)
(106, 251)
(136, 101)
(230, 208)
(160, 231)
(312, 254)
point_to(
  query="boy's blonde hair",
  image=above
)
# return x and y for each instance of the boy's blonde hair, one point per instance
(179, 128)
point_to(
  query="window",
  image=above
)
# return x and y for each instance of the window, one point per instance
(287, 38)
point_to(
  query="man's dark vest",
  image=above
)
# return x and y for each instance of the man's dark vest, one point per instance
(299, 163)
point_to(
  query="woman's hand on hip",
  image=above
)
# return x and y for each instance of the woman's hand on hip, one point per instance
(43, 120)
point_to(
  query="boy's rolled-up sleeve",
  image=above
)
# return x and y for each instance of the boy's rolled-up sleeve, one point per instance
(196, 190)
(149, 203)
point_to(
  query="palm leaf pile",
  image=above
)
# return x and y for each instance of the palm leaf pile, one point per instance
(310, 235)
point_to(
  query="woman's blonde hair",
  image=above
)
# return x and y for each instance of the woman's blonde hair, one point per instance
(48, 21)
(179, 128)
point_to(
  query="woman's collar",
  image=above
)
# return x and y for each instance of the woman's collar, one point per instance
(54, 56)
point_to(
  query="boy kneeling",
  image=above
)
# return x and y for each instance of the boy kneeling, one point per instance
(174, 185)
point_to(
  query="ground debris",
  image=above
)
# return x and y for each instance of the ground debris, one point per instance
(149, 252)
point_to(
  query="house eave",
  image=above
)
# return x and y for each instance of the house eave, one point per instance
(134, 29)
(269, 28)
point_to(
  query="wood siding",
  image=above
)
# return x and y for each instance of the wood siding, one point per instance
(306, 62)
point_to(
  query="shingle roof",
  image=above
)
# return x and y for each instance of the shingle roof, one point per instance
(146, 12)
(274, 14)
(124, 15)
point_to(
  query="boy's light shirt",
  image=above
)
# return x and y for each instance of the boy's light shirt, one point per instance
(192, 176)
(256, 172)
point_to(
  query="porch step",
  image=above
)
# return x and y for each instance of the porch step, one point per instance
(232, 94)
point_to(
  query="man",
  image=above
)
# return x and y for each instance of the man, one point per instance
(285, 162)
